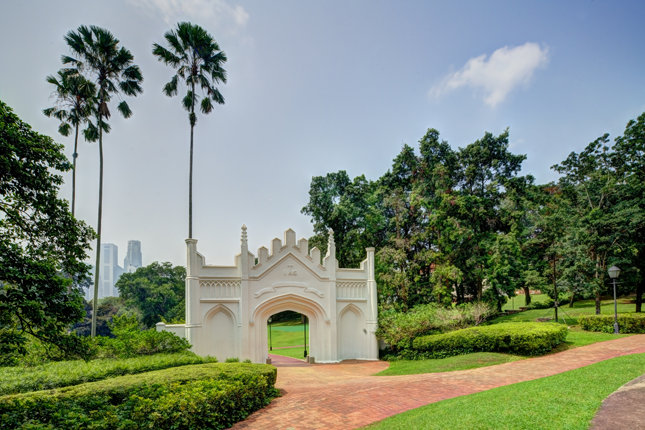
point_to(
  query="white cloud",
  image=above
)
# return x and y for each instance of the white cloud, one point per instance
(216, 11)
(498, 75)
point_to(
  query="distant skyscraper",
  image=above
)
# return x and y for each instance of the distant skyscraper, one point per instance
(133, 260)
(110, 270)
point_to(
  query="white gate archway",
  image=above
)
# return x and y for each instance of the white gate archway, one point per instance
(227, 307)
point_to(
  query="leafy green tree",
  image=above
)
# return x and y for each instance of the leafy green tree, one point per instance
(97, 53)
(75, 105)
(350, 209)
(157, 291)
(198, 61)
(599, 226)
(40, 241)
(630, 157)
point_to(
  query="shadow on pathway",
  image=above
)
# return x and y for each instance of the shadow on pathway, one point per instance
(624, 409)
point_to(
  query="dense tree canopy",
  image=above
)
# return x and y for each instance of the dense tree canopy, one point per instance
(42, 246)
(463, 224)
(157, 291)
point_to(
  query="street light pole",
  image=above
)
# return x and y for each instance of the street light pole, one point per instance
(614, 272)
(616, 330)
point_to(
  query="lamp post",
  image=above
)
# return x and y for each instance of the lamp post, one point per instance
(270, 340)
(613, 274)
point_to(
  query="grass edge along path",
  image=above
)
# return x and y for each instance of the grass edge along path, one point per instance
(568, 400)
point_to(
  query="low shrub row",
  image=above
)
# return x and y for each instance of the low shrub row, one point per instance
(516, 338)
(398, 329)
(213, 396)
(627, 323)
(60, 374)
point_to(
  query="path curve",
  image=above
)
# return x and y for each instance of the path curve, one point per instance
(346, 396)
(623, 409)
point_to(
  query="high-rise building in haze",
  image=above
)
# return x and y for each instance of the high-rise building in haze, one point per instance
(133, 259)
(110, 269)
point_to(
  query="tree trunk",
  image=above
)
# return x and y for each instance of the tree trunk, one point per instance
(97, 268)
(597, 303)
(573, 299)
(190, 172)
(74, 172)
(640, 286)
(480, 289)
(527, 296)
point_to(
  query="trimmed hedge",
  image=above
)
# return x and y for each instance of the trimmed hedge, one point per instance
(627, 323)
(213, 396)
(516, 338)
(14, 380)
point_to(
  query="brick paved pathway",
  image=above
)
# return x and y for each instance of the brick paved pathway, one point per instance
(346, 396)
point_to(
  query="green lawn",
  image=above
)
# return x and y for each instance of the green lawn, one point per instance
(517, 301)
(288, 333)
(290, 352)
(460, 362)
(565, 401)
(583, 307)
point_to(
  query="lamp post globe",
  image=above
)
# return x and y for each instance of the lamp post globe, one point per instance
(614, 272)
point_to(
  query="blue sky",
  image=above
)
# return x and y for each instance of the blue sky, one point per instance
(316, 87)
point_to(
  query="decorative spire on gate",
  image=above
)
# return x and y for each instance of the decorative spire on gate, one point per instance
(331, 245)
(244, 239)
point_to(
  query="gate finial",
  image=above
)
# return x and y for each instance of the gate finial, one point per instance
(244, 239)
(331, 237)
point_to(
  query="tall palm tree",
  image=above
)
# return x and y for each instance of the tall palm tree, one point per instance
(198, 61)
(75, 104)
(97, 53)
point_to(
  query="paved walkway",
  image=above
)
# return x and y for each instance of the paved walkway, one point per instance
(624, 409)
(346, 396)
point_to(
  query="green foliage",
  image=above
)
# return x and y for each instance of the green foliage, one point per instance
(107, 308)
(22, 379)
(232, 360)
(198, 396)
(130, 340)
(546, 304)
(627, 323)
(398, 329)
(449, 364)
(157, 291)
(40, 243)
(516, 338)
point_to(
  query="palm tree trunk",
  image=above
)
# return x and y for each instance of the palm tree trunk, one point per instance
(190, 173)
(74, 172)
(97, 268)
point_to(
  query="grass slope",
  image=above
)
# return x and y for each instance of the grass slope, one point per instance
(289, 333)
(520, 300)
(565, 401)
(290, 352)
(583, 307)
(460, 362)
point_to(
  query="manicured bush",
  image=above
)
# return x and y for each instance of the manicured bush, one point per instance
(66, 373)
(213, 396)
(548, 303)
(398, 329)
(627, 323)
(516, 338)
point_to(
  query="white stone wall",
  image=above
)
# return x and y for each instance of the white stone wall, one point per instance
(227, 307)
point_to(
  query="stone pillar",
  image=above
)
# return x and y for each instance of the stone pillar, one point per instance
(372, 304)
(193, 316)
(331, 264)
(244, 316)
